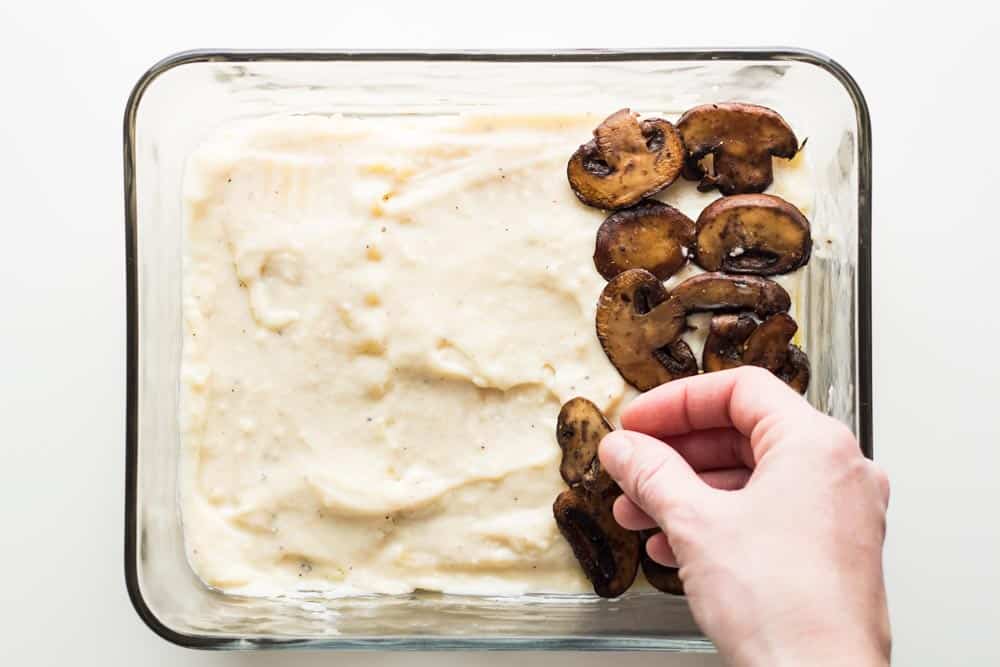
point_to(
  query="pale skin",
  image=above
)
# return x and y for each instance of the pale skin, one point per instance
(774, 517)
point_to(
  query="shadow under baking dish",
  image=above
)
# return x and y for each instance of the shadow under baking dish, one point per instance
(181, 100)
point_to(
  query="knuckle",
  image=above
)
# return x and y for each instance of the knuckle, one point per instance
(857, 469)
(756, 374)
(839, 445)
(832, 451)
(864, 477)
(881, 480)
(844, 434)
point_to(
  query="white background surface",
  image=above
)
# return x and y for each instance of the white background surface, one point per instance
(66, 69)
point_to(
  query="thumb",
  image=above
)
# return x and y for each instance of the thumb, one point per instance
(651, 473)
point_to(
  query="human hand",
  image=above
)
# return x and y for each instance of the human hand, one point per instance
(768, 507)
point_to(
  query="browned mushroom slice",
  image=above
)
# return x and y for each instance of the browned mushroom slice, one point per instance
(662, 577)
(608, 553)
(650, 235)
(767, 346)
(735, 340)
(722, 292)
(760, 234)
(795, 371)
(741, 138)
(639, 329)
(626, 161)
(724, 345)
(579, 430)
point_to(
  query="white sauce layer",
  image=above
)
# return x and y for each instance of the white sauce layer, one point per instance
(382, 318)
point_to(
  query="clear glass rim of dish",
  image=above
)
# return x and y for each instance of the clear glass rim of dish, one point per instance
(864, 324)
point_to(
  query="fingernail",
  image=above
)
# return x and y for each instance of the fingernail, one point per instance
(615, 450)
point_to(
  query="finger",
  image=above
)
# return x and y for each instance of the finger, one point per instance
(732, 479)
(630, 516)
(714, 449)
(659, 549)
(740, 398)
(652, 474)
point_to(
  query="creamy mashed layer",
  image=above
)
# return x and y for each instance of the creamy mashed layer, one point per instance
(382, 318)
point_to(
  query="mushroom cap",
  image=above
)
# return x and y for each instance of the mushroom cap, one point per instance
(639, 328)
(661, 577)
(608, 553)
(759, 234)
(626, 161)
(723, 292)
(741, 138)
(579, 430)
(737, 340)
(724, 345)
(650, 235)
(767, 346)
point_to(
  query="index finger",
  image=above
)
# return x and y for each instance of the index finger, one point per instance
(739, 398)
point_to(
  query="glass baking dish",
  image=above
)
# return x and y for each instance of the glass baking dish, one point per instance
(182, 99)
